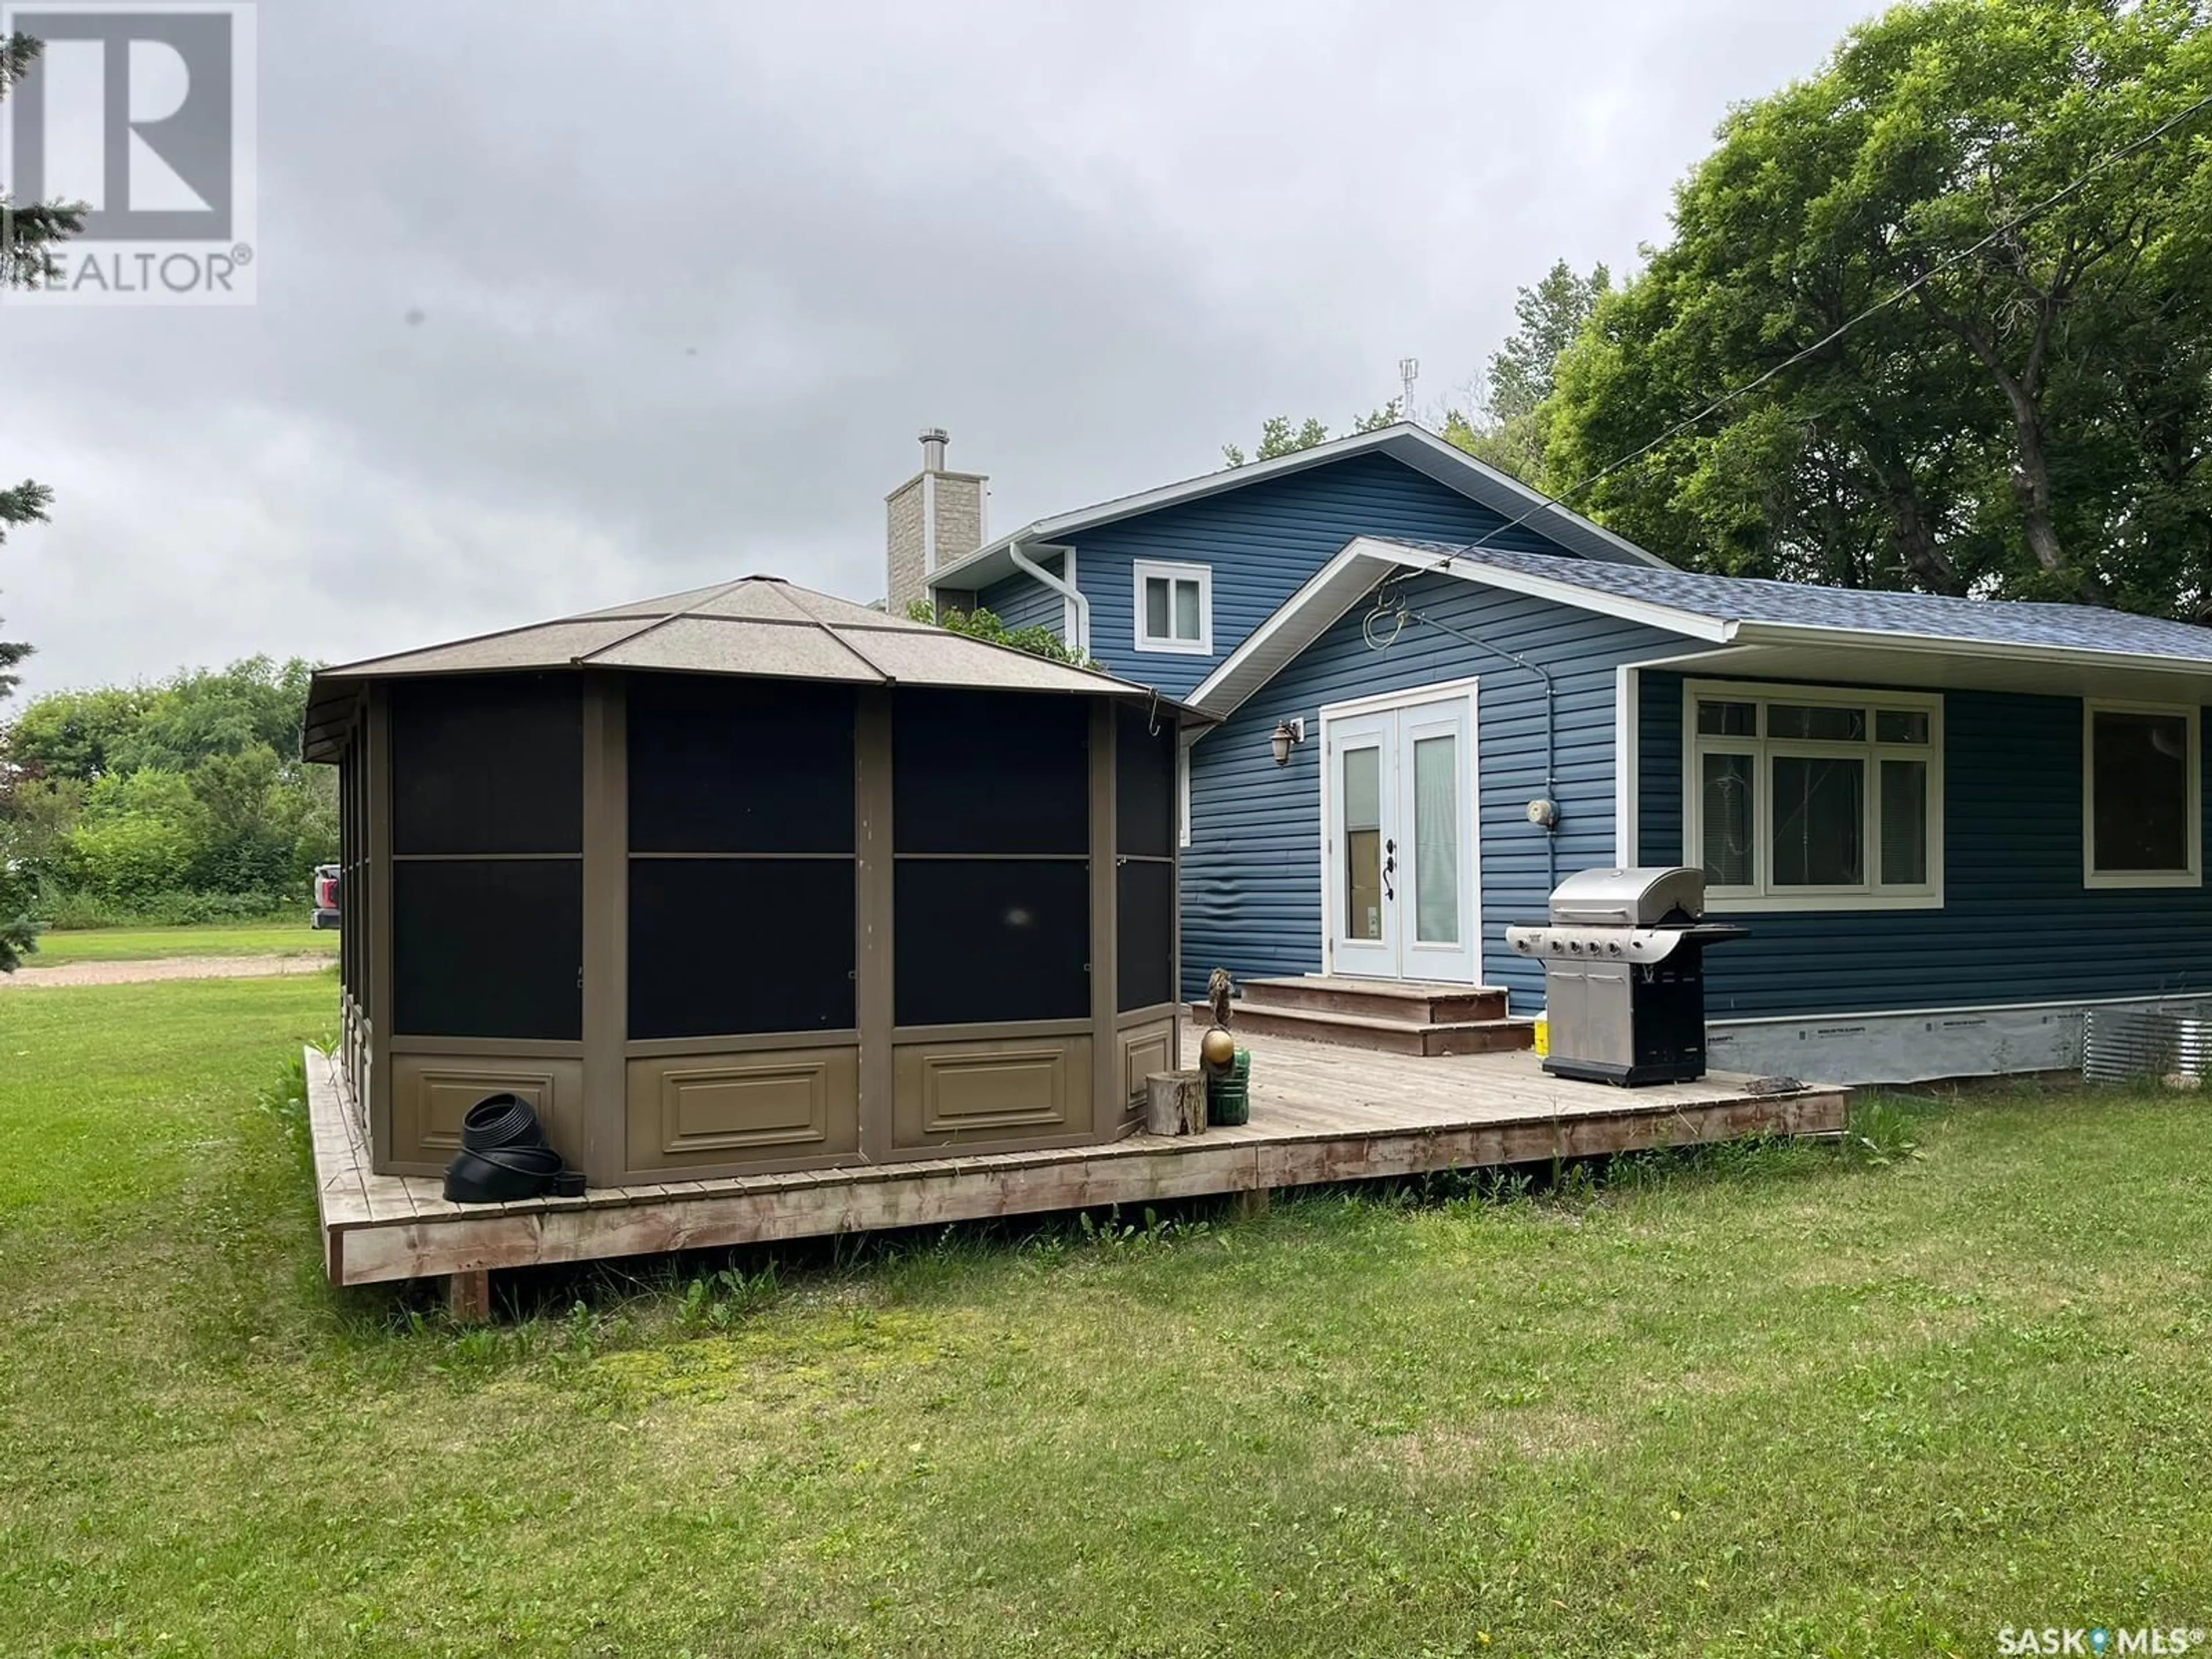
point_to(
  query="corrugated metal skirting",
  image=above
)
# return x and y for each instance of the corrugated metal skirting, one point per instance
(2121, 1043)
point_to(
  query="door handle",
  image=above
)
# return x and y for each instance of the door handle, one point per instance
(1389, 868)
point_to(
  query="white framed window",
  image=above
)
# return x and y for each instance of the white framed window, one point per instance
(1175, 607)
(2141, 795)
(1811, 798)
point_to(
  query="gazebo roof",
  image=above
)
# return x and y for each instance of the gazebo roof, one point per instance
(761, 626)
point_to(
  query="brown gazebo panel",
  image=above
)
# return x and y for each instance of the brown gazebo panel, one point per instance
(430, 1092)
(769, 1108)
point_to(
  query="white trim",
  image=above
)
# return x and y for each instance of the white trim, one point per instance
(1412, 445)
(1946, 645)
(1171, 571)
(1673, 619)
(1182, 793)
(1763, 895)
(1419, 697)
(1376, 703)
(2091, 876)
(1073, 613)
(1331, 592)
(1628, 731)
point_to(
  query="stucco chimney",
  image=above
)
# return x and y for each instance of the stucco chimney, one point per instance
(932, 518)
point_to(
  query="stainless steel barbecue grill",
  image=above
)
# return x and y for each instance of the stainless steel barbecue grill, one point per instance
(1625, 974)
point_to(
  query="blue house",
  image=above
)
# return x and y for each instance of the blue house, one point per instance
(1951, 825)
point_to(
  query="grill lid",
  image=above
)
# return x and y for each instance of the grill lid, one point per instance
(1642, 897)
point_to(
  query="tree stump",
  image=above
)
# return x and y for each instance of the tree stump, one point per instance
(1174, 1103)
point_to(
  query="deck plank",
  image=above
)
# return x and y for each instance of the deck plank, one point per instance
(1319, 1114)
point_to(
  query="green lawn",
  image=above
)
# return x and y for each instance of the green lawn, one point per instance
(1784, 1402)
(58, 949)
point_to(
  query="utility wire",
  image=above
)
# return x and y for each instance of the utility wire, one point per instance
(2103, 164)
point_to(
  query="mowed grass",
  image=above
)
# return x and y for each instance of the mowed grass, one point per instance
(1786, 1401)
(59, 949)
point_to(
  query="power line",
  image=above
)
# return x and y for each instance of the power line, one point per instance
(2103, 164)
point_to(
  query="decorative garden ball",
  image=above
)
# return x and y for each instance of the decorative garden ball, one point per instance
(1217, 1051)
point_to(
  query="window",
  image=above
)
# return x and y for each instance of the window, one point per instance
(1804, 798)
(1175, 608)
(2142, 801)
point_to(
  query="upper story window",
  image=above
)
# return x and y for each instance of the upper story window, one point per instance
(2142, 800)
(1175, 607)
(1799, 797)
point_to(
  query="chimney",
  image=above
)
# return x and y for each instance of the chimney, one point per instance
(932, 518)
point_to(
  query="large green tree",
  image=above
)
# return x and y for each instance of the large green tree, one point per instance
(28, 235)
(1505, 426)
(2032, 420)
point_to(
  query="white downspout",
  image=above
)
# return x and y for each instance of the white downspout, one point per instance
(1023, 562)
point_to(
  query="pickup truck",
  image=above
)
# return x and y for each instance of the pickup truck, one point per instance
(326, 896)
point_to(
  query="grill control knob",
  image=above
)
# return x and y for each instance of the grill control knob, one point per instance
(1613, 947)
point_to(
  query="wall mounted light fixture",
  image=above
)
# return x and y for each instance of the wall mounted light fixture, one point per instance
(1287, 733)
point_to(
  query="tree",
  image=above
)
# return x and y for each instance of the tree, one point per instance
(2032, 420)
(981, 624)
(28, 235)
(1279, 437)
(1504, 428)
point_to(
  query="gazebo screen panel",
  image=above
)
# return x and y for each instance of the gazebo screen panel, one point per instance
(979, 940)
(719, 765)
(488, 948)
(726, 946)
(488, 763)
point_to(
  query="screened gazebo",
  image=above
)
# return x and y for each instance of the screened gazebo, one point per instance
(750, 879)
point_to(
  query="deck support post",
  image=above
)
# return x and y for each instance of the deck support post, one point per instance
(468, 1297)
(1252, 1203)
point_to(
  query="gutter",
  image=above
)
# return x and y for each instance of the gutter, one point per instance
(1023, 562)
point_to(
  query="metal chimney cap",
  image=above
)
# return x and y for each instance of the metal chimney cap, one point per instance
(932, 449)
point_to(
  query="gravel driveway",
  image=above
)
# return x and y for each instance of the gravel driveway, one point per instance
(130, 972)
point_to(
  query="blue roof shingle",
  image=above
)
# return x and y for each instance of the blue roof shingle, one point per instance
(2012, 622)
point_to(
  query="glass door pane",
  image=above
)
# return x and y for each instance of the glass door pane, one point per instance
(1436, 840)
(1362, 843)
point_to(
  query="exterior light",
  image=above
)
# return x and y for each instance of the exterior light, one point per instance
(1287, 733)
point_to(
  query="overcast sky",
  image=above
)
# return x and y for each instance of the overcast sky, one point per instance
(637, 298)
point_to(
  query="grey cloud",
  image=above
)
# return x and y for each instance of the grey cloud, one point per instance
(688, 280)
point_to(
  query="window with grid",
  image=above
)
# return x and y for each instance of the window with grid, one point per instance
(1174, 607)
(1805, 798)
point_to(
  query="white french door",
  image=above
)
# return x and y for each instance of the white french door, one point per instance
(1399, 898)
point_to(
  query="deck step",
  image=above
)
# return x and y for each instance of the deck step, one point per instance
(1410, 1001)
(1379, 1035)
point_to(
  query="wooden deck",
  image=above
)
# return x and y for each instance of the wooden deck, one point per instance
(1319, 1114)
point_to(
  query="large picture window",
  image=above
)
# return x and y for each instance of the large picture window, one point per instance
(2142, 805)
(1799, 797)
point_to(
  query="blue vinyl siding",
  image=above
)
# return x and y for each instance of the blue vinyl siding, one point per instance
(1262, 542)
(2017, 925)
(1251, 877)
(1022, 601)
